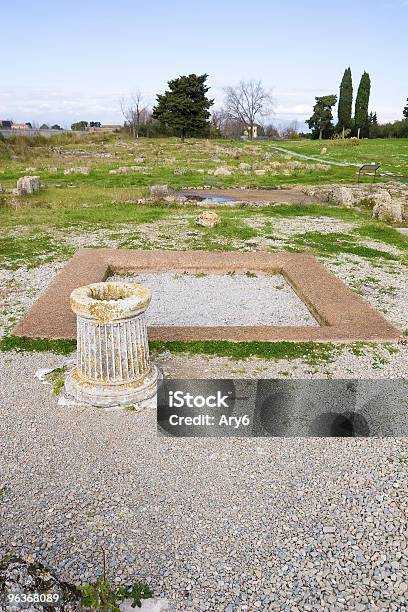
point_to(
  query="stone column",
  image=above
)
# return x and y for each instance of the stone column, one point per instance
(113, 364)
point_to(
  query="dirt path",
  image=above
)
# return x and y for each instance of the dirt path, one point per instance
(280, 196)
(317, 159)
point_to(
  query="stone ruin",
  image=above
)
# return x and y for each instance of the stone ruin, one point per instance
(26, 185)
(208, 218)
(113, 365)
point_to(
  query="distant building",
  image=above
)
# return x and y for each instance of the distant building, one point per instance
(247, 131)
(21, 126)
(105, 128)
(5, 124)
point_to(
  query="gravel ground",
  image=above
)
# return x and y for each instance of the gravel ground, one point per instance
(212, 524)
(221, 299)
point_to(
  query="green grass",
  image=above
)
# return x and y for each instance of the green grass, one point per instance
(34, 345)
(164, 156)
(383, 233)
(335, 243)
(57, 379)
(104, 215)
(312, 353)
(30, 251)
(392, 153)
(33, 245)
(312, 210)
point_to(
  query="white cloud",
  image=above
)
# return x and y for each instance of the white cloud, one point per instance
(58, 106)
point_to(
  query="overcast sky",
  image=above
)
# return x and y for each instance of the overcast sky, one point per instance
(67, 60)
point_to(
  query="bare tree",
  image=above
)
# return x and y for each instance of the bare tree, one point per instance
(217, 119)
(134, 110)
(247, 103)
(226, 126)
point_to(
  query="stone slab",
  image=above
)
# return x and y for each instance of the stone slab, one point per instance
(343, 315)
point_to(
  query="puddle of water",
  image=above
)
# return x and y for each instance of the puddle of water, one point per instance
(211, 198)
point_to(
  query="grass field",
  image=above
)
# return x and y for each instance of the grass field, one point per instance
(392, 153)
(191, 164)
(95, 206)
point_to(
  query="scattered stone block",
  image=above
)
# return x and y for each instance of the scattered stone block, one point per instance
(244, 166)
(126, 169)
(208, 218)
(388, 212)
(26, 185)
(159, 191)
(323, 151)
(222, 171)
(342, 195)
(77, 170)
(381, 197)
(260, 172)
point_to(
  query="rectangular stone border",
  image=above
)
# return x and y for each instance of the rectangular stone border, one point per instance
(342, 314)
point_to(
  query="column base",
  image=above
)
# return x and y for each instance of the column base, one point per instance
(106, 395)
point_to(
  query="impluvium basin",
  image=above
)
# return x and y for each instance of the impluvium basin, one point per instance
(113, 364)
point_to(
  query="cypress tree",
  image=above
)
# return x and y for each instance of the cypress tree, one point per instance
(405, 111)
(345, 101)
(362, 100)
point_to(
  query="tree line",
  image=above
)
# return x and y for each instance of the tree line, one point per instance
(362, 124)
(184, 110)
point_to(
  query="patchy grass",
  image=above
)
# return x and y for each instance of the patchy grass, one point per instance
(390, 152)
(383, 233)
(30, 251)
(57, 380)
(334, 243)
(105, 215)
(314, 210)
(312, 353)
(34, 345)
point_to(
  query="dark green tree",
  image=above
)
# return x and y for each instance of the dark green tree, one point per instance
(79, 126)
(321, 122)
(372, 119)
(405, 111)
(362, 100)
(184, 107)
(345, 101)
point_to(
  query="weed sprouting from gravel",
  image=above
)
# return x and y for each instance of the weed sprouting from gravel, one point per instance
(101, 595)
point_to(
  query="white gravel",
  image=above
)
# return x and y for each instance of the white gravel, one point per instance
(221, 299)
(211, 524)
